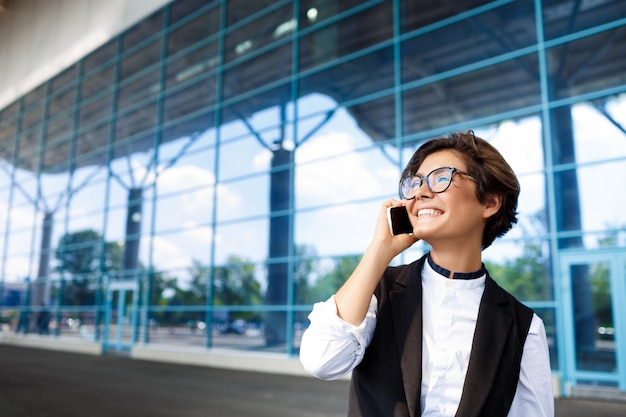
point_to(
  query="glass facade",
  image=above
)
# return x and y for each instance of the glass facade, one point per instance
(204, 177)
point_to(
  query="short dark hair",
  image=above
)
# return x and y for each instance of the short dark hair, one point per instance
(494, 176)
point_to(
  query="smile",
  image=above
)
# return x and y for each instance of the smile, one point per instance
(428, 212)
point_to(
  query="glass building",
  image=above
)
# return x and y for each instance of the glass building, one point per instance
(202, 178)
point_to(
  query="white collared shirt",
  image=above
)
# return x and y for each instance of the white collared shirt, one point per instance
(331, 347)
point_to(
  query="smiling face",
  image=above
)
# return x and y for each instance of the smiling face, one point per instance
(454, 217)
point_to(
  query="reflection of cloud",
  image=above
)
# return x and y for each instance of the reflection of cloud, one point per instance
(597, 138)
(520, 143)
(262, 160)
(184, 176)
(199, 234)
(16, 269)
(168, 255)
(352, 175)
(338, 229)
(198, 181)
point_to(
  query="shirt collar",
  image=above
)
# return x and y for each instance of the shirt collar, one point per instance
(457, 275)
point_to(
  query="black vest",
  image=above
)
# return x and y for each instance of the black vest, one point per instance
(388, 381)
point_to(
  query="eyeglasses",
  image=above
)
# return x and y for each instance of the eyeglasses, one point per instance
(437, 181)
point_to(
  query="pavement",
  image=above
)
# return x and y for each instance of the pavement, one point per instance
(46, 383)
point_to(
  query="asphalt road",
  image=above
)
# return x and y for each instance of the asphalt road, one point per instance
(43, 383)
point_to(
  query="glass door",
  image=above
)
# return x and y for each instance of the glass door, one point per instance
(120, 319)
(594, 314)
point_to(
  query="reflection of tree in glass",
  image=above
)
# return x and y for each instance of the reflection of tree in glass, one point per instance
(528, 276)
(234, 283)
(83, 255)
(601, 284)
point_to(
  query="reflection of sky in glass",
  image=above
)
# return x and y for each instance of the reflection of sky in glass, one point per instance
(341, 179)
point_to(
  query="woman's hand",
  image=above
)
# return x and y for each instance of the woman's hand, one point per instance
(383, 241)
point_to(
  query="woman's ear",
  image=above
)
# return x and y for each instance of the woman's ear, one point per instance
(492, 205)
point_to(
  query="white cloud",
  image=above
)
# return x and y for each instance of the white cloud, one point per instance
(167, 255)
(348, 175)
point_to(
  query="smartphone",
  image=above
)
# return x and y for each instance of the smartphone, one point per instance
(399, 221)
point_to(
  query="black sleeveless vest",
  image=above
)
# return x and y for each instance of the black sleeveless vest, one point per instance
(388, 381)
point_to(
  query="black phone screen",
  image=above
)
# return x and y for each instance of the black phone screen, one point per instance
(399, 220)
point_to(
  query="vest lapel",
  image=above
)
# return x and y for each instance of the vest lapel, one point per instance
(406, 302)
(492, 330)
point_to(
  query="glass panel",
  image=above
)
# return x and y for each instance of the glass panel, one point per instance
(351, 176)
(240, 9)
(100, 56)
(415, 14)
(98, 82)
(64, 101)
(19, 245)
(195, 98)
(317, 11)
(29, 148)
(233, 195)
(66, 77)
(259, 33)
(244, 157)
(182, 8)
(194, 64)
(568, 207)
(57, 157)
(511, 86)
(604, 213)
(597, 136)
(548, 315)
(192, 32)
(257, 73)
(187, 190)
(201, 125)
(138, 90)
(238, 330)
(563, 18)
(32, 118)
(353, 79)
(352, 34)
(471, 40)
(351, 226)
(35, 96)
(522, 268)
(60, 128)
(120, 319)
(593, 316)
(247, 240)
(10, 111)
(95, 111)
(91, 146)
(140, 60)
(87, 203)
(318, 278)
(143, 30)
(135, 122)
(588, 64)
(7, 140)
(380, 123)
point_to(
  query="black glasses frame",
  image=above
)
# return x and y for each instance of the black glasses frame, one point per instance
(452, 170)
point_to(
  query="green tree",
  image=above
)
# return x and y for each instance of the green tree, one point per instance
(601, 282)
(83, 255)
(330, 282)
(528, 276)
(235, 284)
(305, 270)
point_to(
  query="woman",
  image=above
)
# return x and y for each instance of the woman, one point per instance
(437, 337)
